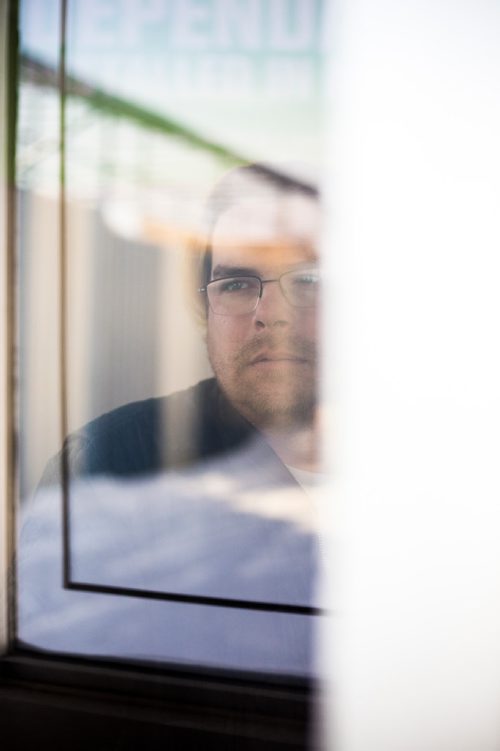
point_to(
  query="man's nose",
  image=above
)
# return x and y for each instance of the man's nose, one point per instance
(273, 308)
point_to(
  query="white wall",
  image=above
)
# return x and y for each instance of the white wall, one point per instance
(413, 255)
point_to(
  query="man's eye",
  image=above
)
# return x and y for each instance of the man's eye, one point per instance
(234, 285)
(306, 280)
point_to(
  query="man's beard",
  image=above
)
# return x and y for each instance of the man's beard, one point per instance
(279, 398)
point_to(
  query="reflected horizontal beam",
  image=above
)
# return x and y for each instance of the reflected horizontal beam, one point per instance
(220, 602)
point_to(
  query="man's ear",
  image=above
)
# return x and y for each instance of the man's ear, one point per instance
(197, 272)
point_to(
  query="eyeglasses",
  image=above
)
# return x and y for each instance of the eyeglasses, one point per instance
(238, 295)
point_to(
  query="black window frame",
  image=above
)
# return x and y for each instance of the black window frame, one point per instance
(81, 704)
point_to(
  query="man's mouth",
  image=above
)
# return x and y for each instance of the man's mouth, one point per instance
(267, 351)
(277, 357)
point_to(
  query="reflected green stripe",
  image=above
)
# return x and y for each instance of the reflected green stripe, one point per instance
(114, 106)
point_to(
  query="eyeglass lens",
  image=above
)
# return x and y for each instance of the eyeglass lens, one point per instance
(240, 294)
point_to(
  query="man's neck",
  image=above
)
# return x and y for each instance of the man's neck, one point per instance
(297, 446)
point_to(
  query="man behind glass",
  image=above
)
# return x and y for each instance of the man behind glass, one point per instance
(208, 492)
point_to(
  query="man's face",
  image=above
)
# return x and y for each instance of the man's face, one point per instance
(266, 361)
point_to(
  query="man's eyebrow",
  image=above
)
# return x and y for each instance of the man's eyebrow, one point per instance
(223, 271)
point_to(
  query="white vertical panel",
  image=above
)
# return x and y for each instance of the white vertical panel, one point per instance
(414, 366)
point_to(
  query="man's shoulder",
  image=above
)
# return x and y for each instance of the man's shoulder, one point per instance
(148, 412)
(157, 433)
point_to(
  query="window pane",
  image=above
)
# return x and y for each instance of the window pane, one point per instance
(179, 521)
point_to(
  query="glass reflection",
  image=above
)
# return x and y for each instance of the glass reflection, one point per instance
(208, 493)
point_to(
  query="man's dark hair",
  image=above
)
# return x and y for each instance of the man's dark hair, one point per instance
(243, 182)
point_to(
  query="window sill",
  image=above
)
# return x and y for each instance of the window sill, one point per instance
(82, 704)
